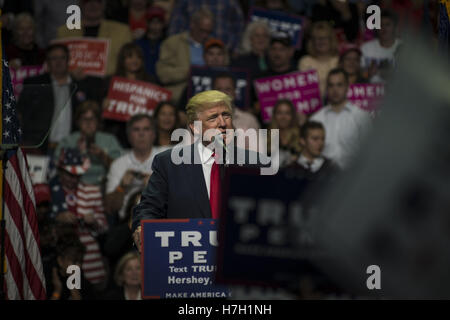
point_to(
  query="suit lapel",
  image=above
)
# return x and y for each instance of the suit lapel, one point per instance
(197, 181)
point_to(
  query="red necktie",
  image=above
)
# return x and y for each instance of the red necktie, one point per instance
(214, 189)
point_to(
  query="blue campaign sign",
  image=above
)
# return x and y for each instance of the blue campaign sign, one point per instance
(265, 236)
(178, 259)
(280, 22)
(202, 78)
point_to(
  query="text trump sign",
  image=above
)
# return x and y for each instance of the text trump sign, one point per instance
(178, 259)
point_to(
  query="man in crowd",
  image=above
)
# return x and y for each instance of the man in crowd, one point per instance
(226, 83)
(281, 53)
(51, 99)
(345, 124)
(311, 161)
(94, 25)
(229, 19)
(280, 61)
(133, 169)
(180, 51)
(215, 54)
(378, 54)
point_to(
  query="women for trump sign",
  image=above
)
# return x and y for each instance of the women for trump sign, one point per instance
(367, 96)
(129, 97)
(302, 88)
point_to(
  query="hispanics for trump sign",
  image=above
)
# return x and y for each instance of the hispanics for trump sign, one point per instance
(302, 88)
(129, 97)
(367, 96)
(178, 259)
(89, 54)
(280, 22)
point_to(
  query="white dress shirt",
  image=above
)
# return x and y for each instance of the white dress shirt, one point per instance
(313, 166)
(62, 113)
(207, 161)
(343, 131)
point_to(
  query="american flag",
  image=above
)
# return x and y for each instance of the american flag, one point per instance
(24, 277)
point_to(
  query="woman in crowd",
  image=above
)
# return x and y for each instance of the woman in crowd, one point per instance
(133, 14)
(350, 61)
(127, 278)
(255, 42)
(166, 117)
(285, 119)
(24, 51)
(130, 65)
(151, 42)
(101, 147)
(322, 54)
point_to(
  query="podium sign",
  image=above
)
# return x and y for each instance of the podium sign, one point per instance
(178, 259)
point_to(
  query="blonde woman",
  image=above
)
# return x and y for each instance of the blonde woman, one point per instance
(127, 277)
(323, 54)
(255, 43)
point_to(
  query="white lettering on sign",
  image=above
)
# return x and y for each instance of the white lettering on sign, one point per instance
(140, 90)
(287, 82)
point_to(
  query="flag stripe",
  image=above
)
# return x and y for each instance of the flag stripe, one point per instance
(24, 278)
(13, 292)
(26, 202)
(24, 233)
(16, 254)
(14, 272)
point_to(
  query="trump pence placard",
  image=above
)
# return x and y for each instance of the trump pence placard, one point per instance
(302, 88)
(129, 97)
(289, 24)
(178, 259)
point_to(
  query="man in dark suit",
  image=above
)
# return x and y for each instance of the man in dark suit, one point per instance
(191, 188)
(52, 98)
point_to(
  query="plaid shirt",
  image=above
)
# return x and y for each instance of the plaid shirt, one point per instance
(229, 19)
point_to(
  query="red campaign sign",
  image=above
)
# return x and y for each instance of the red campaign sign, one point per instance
(89, 54)
(300, 87)
(130, 97)
(366, 96)
(20, 74)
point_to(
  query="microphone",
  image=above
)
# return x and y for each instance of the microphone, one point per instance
(219, 139)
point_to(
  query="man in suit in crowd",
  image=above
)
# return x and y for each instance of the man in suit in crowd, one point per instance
(51, 98)
(192, 189)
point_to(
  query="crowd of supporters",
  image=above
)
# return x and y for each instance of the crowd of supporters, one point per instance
(99, 166)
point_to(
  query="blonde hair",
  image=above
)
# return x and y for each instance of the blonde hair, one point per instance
(205, 100)
(246, 38)
(118, 274)
(318, 27)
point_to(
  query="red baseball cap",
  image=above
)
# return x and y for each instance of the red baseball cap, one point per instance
(41, 193)
(156, 12)
(213, 42)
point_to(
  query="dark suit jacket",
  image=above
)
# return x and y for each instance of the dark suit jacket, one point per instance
(177, 191)
(36, 105)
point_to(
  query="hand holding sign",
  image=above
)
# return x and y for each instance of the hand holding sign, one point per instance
(137, 238)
